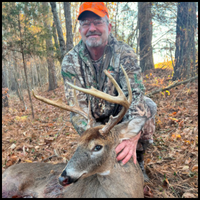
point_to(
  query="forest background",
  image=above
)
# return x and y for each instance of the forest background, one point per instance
(35, 38)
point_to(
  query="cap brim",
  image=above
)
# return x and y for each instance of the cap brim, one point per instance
(97, 12)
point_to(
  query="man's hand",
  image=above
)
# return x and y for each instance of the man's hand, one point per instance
(129, 149)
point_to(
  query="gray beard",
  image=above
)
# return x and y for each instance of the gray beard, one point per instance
(93, 43)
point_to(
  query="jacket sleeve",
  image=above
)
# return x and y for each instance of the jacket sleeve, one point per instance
(70, 72)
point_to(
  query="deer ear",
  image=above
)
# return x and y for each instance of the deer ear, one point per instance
(130, 128)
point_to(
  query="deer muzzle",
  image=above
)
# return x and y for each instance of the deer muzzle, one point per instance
(64, 181)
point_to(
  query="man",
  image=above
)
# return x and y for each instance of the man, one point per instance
(99, 50)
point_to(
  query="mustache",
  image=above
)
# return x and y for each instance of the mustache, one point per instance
(92, 33)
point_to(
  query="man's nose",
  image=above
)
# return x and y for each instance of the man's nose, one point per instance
(92, 27)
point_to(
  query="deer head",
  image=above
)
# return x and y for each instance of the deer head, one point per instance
(95, 152)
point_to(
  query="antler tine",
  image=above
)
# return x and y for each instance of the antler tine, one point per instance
(120, 99)
(114, 120)
(91, 120)
(60, 104)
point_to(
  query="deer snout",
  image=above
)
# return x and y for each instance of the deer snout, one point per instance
(65, 180)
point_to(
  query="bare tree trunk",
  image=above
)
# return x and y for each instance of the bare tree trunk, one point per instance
(145, 35)
(24, 64)
(116, 19)
(75, 33)
(50, 53)
(31, 78)
(58, 52)
(68, 24)
(19, 91)
(38, 74)
(4, 87)
(185, 44)
(59, 29)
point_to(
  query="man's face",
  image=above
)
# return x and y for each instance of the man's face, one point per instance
(94, 34)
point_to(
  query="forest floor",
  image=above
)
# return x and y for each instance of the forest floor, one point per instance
(171, 162)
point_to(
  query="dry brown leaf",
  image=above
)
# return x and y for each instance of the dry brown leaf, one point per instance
(29, 146)
(49, 140)
(9, 163)
(165, 183)
(147, 191)
(188, 161)
(188, 195)
(185, 167)
(195, 130)
(195, 168)
(28, 161)
(56, 152)
(11, 160)
(70, 129)
(181, 123)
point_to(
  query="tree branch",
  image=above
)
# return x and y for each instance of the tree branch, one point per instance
(171, 86)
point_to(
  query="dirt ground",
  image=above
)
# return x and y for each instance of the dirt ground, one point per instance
(171, 162)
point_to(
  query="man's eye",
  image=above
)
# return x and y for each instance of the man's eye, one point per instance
(98, 22)
(97, 148)
(86, 24)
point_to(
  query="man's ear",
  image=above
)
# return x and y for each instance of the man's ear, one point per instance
(130, 128)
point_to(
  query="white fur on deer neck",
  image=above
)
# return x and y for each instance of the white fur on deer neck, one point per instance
(107, 172)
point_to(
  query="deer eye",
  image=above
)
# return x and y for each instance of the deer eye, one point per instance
(97, 148)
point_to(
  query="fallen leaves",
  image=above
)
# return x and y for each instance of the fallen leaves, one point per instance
(12, 146)
(148, 192)
(37, 140)
(195, 168)
(172, 162)
(188, 195)
(23, 118)
(11, 160)
(28, 161)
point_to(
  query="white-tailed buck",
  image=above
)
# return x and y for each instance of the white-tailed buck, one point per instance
(93, 170)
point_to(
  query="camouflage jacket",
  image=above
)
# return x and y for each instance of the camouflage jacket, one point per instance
(78, 64)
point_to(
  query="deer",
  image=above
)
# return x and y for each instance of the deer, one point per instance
(93, 170)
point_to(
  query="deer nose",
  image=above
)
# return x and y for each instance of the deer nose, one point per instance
(64, 181)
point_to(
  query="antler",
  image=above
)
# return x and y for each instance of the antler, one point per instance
(114, 120)
(60, 104)
(120, 99)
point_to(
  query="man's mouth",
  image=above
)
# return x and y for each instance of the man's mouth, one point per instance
(93, 35)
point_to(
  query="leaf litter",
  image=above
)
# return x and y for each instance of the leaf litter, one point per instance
(171, 162)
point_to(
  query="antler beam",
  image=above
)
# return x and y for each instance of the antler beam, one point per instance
(60, 104)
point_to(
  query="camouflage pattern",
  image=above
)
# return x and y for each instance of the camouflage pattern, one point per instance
(78, 65)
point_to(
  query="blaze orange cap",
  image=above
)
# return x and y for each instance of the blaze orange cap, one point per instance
(98, 8)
